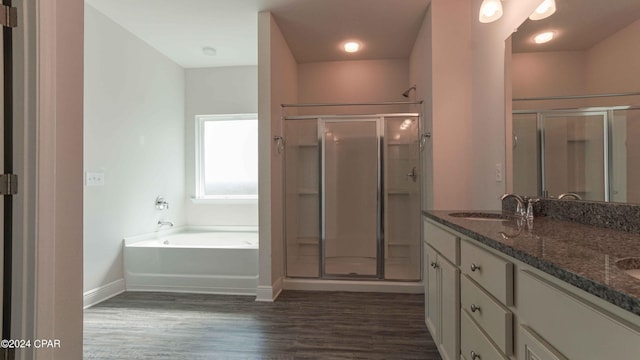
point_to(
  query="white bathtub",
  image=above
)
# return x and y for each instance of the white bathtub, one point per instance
(217, 262)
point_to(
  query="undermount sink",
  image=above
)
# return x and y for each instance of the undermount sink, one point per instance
(630, 265)
(482, 216)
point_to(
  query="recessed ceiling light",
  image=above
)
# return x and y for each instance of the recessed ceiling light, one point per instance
(351, 46)
(209, 51)
(544, 37)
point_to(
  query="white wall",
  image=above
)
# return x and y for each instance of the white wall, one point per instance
(221, 90)
(134, 133)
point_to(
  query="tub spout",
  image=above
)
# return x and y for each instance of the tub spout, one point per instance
(165, 223)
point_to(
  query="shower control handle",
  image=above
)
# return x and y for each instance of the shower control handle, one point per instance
(413, 174)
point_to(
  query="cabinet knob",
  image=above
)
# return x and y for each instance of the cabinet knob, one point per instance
(434, 264)
(475, 308)
(474, 356)
(475, 267)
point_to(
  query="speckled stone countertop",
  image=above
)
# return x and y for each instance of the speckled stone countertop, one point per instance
(582, 255)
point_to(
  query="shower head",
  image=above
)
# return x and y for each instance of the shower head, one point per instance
(406, 93)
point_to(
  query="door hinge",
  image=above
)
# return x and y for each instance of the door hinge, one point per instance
(8, 16)
(8, 184)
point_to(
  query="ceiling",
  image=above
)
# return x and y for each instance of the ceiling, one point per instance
(313, 29)
(579, 24)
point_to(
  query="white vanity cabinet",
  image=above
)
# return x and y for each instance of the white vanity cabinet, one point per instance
(442, 289)
(511, 310)
(573, 325)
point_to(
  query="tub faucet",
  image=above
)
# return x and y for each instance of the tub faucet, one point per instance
(520, 208)
(163, 223)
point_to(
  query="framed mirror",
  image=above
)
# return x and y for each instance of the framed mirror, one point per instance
(576, 102)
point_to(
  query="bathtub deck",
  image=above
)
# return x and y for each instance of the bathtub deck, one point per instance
(300, 325)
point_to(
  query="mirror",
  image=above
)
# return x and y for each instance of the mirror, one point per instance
(576, 102)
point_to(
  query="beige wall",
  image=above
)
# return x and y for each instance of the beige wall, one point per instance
(612, 64)
(277, 84)
(353, 81)
(58, 274)
(451, 98)
(420, 75)
(488, 99)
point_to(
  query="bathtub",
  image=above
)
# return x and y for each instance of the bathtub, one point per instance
(215, 262)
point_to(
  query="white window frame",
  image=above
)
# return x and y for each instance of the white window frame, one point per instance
(201, 197)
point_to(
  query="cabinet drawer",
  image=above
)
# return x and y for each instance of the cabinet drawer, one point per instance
(493, 318)
(472, 339)
(493, 273)
(445, 242)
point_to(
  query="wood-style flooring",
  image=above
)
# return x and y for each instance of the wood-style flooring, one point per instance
(299, 325)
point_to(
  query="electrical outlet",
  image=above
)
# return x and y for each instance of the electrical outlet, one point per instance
(498, 172)
(94, 178)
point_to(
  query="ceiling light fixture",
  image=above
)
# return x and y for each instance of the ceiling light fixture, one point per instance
(209, 51)
(544, 10)
(490, 11)
(351, 46)
(544, 37)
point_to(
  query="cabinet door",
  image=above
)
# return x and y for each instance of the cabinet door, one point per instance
(450, 309)
(533, 347)
(432, 316)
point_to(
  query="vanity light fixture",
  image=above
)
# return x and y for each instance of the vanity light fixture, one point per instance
(544, 37)
(351, 46)
(544, 10)
(490, 11)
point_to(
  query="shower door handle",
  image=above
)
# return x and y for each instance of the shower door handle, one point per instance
(413, 174)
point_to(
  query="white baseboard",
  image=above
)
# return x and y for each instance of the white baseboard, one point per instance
(269, 293)
(102, 293)
(354, 286)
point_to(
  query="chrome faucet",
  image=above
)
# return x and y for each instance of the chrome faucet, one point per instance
(520, 208)
(163, 223)
(569, 195)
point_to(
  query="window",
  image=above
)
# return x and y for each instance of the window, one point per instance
(227, 157)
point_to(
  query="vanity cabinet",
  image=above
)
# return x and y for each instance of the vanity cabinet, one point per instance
(576, 328)
(442, 289)
(511, 310)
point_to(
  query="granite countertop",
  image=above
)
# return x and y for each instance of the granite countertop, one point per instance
(582, 255)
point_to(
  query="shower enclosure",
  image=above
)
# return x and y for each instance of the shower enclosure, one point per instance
(591, 152)
(352, 197)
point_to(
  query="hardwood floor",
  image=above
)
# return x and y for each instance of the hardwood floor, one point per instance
(299, 325)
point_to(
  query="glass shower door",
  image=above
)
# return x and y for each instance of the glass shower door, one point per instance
(350, 209)
(402, 198)
(575, 151)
